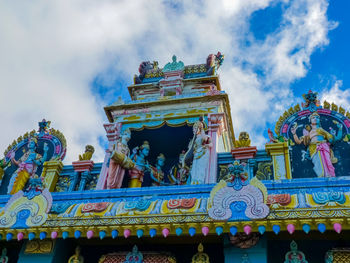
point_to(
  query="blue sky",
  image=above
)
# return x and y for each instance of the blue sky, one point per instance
(66, 60)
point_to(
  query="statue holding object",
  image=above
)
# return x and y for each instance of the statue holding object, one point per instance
(139, 155)
(27, 166)
(179, 173)
(157, 174)
(119, 162)
(199, 150)
(319, 143)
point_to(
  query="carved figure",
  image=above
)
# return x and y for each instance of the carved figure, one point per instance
(179, 173)
(243, 140)
(76, 258)
(157, 174)
(318, 142)
(139, 155)
(174, 65)
(44, 126)
(201, 144)
(4, 258)
(135, 256)
(27, 166)
(89, 151)
(119, 162)
(3, 165)
(294, 255)
(200, 257)
(214, 62)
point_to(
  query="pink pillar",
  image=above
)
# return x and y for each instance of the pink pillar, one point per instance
(214, 125)
(113, 132)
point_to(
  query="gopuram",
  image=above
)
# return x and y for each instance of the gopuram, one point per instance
(177, 185)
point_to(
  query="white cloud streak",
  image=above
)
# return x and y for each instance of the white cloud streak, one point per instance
(52, 51)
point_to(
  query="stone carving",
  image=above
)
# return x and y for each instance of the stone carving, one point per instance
(294, 255)
(174, 65)
(27, 209)
(243, 140)
(248, 200)
(76, 258)
(87, 155)
(200, 257)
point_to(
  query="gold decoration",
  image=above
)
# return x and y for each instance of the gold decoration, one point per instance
(243, 140)
(200, 257)
(89, 151)
(341, 110)
(334, 107)
(326, 105)
(76, 258)
(39, 247)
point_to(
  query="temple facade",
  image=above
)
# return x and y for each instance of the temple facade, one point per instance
(177, 185)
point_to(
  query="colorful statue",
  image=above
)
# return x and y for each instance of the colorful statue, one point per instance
(87, 155)
(119, 162)
(138, 156)
(3, 165)
(27, 166)
(243, 140)
(201, 144)
(318, 142)
(76, 258)
(157, 174)
(179, 173)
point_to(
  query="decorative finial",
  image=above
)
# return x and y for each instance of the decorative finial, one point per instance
(200, 257)
(89, 151)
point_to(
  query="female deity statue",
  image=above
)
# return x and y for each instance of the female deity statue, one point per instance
(157, 174)
(138, 156)
(119, 162)
(318, 142)
(201, 144)
(27, 166)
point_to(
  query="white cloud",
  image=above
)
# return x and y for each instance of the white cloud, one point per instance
(52, 51)
(337, 95)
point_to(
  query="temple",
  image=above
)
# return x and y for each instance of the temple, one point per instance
(176, 183)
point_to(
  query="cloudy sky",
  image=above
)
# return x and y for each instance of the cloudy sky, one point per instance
(66, 60)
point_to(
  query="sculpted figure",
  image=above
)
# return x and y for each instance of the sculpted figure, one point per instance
(76, 258)
(27, 166)
(318, 142)
(139, 155)
(3, 164)
(119, 162)
(87, 155)
(157, 174)
(201, 147)
(179, 173)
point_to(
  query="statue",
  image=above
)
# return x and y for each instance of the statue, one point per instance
(76, 258)
(200, 145)
(179, 173)
(27, 166)
(200, 257)
(119, 161)
(89, 151)
(174, 65)
(318, 142)
(138, 156)
(3, 165)
(157, 174)
(4, 258)
(243, 140)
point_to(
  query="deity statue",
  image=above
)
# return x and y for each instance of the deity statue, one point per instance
(27, 166)
(200, 145)
(138, 156)
(76, 258)
(157, 174)
(119, 161)
(179, 173)
(318, 142)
